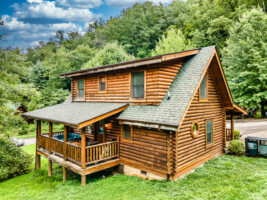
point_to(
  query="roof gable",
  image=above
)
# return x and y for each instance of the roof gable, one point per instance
(170, 111)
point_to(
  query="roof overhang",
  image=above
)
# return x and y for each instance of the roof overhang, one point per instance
(131, 64)
(76, 114)
(237, 110)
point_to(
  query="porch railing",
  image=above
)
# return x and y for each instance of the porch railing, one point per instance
(73, 153)
(100, 152)
(93, 154)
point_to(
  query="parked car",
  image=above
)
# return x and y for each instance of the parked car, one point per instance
(18, 142)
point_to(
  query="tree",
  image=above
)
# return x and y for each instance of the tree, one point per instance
(245, 61)
(110, 54)
(14, 89)
(173, 40)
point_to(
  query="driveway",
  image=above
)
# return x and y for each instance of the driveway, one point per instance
(29, 141)
(250, 127)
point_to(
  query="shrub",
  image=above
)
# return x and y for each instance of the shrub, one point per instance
(24, 130)
(13, 160)
(236, 147)
(236, 134)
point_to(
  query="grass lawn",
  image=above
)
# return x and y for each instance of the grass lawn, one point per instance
(227, 177)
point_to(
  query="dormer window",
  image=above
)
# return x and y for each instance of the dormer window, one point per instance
(138, 86)
(81, 88)
(203, 90)
(102, 83)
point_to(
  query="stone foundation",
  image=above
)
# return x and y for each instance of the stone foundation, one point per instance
(131, 171)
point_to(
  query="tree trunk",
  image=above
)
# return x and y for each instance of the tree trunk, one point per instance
(262, 109)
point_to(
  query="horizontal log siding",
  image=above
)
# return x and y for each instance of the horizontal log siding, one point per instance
(148, 148)
(188, 149)
(158, 80)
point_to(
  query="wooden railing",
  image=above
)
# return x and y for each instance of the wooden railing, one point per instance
(43, 142)
(54, 133)
(73, 153)
(100, 152)
(228, 134)
(57, 146)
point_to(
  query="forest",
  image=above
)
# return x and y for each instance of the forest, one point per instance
(238, 28)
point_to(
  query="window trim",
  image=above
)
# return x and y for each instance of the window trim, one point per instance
(77, 89)
(204, 100)
(131, 88)
(106, 78)
(211, 144)
(193, 135)
(126, 140)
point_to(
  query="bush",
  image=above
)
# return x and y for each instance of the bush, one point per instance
(236, 134)
(258, 115)
(236, 147)
(24, 130)
(13, 160)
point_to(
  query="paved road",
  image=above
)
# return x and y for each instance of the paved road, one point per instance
(256, 128)
(29, 141)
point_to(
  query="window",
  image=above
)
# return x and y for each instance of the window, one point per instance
(89, 130)
(203, 93)
(127, 132)
(209, 132)
(102, 83)
(194, 129)
(101, 127)
(138, 79)
(81, 88)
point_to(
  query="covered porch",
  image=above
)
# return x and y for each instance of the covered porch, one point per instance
(81, 147)
(236, 111)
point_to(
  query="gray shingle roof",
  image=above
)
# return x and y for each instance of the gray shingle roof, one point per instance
(170, 112)
(73, 113)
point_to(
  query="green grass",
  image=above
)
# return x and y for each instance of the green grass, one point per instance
(226, 177)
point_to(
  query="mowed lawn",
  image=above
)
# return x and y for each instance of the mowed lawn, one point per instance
(227, 177)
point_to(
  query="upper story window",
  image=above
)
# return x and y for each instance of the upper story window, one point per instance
(209, 132)
(102, 83)
(138, 80)
(203, 91)
(81, 88)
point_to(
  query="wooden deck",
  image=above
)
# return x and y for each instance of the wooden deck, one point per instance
(76, 168)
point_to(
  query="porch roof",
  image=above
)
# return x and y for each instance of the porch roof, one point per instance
(79, 114)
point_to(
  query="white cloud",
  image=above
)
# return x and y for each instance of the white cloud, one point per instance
(39, 9)
(23, 35)
(127, 3)
(86, 4)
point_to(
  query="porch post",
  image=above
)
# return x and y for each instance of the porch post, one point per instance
(83, 180)
(50, 136)
(65, 140)
(83, 145)
(64, 174)
(49, 168)
(232, 126)
(37, 156)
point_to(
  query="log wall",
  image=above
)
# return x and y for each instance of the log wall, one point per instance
(189, 150)
(147, 151)
(158, 78)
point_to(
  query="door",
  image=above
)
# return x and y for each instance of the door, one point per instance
(100, 131)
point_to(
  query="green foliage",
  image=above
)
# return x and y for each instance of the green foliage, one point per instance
(173, 40)
(137, 28)
(236, 134)
(236, 147)
(14, 88)
(110, 54)
(24, 130)
(14, 161)
(245, 61)
(258, 115)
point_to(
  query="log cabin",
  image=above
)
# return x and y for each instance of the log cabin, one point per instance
(158, 117)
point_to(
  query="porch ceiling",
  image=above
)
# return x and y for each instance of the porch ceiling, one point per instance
(76, 113)
(236, 111)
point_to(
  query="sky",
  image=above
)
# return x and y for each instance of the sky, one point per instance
(29, 21)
